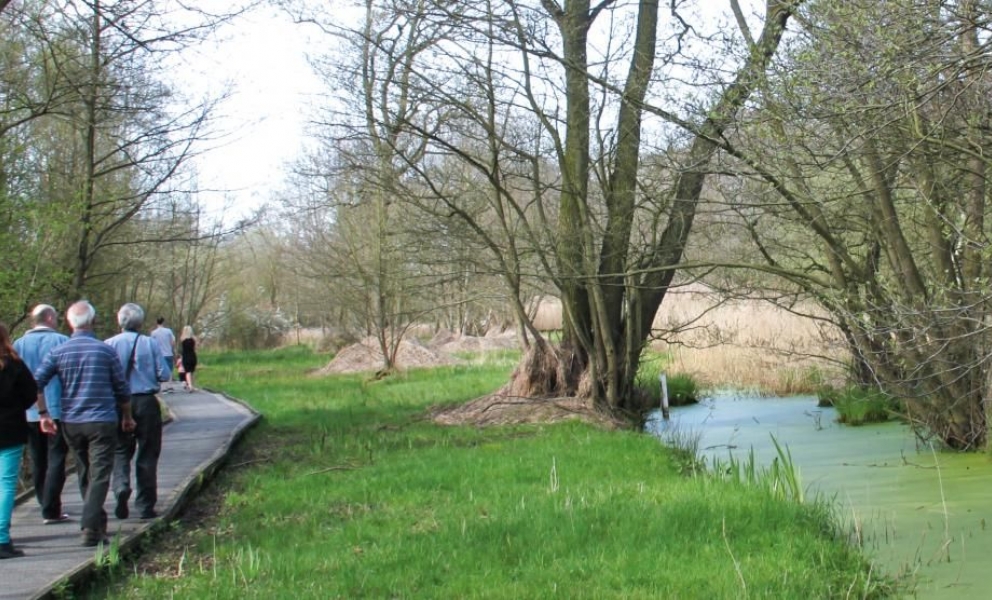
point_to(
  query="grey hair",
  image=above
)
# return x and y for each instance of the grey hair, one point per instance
(43, 313)
(81, 315)
(131, 317)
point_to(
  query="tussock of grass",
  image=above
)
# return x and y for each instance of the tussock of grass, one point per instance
(349, 492)
(683, 388)
(859, 406)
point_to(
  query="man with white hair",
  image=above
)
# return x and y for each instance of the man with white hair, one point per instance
(95, 402)
(47, 452)
(144, 369)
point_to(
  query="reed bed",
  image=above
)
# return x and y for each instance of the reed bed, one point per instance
(749, 344)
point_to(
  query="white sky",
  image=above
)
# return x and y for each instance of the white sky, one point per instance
(263, 58)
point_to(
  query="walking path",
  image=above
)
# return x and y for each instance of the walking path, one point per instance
(204, 427)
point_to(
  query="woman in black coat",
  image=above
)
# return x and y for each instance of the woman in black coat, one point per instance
(18, 392)
(187, 343)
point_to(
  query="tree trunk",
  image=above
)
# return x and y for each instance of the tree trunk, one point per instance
(608, 312)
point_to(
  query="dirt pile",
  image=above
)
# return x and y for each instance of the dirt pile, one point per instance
(366, 356)
(451, 343)
(439, 351)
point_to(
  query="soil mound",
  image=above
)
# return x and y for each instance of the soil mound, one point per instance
(506, 340)
(366, 356)
(442, 337)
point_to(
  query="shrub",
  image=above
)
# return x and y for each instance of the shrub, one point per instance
(251, 329)
(682, 389)
(857, 406)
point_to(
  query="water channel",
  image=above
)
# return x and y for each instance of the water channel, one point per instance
(918, 510)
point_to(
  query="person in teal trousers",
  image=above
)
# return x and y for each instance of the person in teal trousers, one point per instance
(18, 392)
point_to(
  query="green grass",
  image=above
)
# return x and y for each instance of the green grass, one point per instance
(859, 406)
(346, 490)
(683, 388)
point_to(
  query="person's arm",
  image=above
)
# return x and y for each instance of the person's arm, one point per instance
(45, 371)
(127, 421)
(45, 420)
(25, 387)
(122, 392)
(41, 377)
(30, 394)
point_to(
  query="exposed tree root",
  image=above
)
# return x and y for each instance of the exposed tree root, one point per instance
(546, 387)
(499, 409)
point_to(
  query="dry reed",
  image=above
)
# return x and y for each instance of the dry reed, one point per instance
(748, 344)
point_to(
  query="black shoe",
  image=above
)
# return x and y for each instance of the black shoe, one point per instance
(121, 511)
(62, 518)
(149, 514)
(94, 538)
(9, 551)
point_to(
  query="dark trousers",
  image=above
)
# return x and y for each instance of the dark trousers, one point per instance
(144, 445)
(47, 453)
(93, 445)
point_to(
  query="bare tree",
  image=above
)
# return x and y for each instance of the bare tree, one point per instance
(511, 91)
(358, 230)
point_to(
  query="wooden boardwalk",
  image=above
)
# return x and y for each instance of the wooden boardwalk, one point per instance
(204, 427)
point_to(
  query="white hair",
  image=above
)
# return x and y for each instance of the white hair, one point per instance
(81, 315)
(131, 317)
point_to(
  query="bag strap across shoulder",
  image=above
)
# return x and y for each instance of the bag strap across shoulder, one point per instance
(130, 361)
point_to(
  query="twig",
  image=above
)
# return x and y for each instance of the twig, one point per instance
(910, 463)
(727, 446)
(334, 468)
(943, 499)
(249, 462)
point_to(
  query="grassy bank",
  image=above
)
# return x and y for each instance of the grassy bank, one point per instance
(346, 490)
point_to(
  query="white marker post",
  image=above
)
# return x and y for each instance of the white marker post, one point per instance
(664, 395)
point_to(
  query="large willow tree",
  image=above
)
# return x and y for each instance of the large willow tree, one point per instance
(550, 108)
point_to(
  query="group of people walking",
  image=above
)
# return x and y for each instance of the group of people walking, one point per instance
(97, 398)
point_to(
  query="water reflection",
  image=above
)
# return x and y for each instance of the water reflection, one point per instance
(917, 509)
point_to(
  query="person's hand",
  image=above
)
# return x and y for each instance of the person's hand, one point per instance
(48, 425)
(128, 424)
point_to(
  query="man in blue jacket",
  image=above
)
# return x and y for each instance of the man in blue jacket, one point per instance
(47, 452)
(95, 402)
(141, 357)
